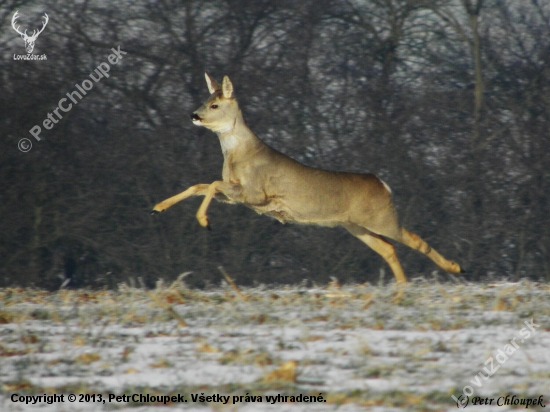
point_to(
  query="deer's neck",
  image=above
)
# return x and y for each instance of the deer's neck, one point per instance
(238, 139)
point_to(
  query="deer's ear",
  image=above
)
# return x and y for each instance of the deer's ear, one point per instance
(227, 87)
(211, 83)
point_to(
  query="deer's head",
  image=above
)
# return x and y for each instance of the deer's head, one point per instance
(220, 111)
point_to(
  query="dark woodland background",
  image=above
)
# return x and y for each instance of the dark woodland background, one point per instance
(447, 101)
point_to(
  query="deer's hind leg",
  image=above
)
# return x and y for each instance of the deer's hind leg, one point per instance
(382, 247)
(414, 241)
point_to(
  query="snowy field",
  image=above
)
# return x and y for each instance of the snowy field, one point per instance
(347, 348)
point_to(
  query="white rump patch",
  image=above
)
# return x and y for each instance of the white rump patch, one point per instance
(388, 188)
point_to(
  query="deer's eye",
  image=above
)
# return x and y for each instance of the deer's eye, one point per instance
(214, 106)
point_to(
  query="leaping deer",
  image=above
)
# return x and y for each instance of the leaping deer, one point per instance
(273, 184)
(29, 40)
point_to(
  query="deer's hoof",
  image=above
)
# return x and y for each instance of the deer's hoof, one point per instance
(203, 221)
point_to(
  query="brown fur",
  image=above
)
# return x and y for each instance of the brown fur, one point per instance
(273, 184)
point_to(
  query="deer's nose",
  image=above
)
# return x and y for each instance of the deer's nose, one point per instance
(195, 116)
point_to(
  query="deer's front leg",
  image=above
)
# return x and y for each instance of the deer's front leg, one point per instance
(230, 190)
(197, 190)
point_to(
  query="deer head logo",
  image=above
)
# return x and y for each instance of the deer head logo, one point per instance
(29, 40)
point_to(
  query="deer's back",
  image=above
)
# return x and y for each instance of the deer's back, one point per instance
(294, 192)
